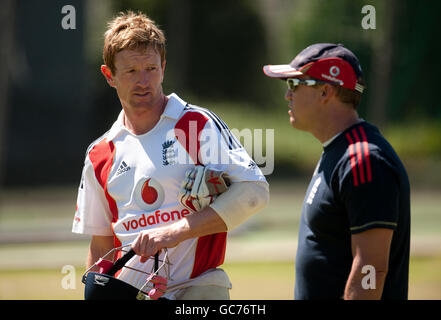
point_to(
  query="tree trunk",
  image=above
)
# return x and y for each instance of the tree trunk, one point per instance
(179, 46)
(381, 65)
(6, 40)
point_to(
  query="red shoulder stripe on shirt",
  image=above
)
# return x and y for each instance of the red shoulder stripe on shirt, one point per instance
(210, 249)
(359, 155)
(188, 130)
(366, 154)
(101, 156)
(352, 156)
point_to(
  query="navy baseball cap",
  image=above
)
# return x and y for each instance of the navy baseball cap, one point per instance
(323, 61)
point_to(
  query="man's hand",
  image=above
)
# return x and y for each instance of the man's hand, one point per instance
(201, 186)
(151, 241)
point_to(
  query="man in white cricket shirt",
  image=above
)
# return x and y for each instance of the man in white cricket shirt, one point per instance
(132, 176)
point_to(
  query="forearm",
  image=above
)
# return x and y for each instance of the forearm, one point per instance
(229, 210)
(364, 284)
(241, 201)
(99, 246)
(370, 251)
(199, 224)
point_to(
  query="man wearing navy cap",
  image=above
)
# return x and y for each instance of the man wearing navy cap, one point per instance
(354, 233)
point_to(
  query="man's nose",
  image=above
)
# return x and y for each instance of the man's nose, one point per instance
(143, 78)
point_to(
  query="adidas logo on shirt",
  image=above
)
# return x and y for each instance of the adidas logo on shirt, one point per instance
(123, 167)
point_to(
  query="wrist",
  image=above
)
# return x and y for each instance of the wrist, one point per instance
(181, 230)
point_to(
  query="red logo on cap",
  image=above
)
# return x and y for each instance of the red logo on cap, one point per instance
(334, 71)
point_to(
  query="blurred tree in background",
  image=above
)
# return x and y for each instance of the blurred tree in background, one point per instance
(214, 48)
(58, 101)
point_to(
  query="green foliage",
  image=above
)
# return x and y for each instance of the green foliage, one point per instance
(335, 22)
(416, 66)
(216, 49)
(296, 149)
(416, 139)
(406, 28)
(417, 143)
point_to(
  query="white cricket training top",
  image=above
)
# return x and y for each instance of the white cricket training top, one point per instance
(131, 183)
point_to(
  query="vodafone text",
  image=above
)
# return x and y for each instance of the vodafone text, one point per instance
(153, 219)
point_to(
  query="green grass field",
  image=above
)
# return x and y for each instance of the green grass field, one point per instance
(36, 243)
(251, 281)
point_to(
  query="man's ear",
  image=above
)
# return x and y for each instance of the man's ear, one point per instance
(163, 69)
(107, 73)
(326, 92)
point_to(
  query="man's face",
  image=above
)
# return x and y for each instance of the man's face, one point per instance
(302, 105)
(138, 78)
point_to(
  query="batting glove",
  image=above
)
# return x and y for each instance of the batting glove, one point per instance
(201, 187)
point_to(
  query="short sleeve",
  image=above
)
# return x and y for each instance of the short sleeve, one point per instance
(92, 214)
(221, 149)
(370, 197)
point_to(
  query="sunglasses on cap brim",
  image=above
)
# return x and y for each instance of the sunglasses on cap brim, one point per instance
(293, 83)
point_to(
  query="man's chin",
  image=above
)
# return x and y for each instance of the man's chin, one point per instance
(141, 103)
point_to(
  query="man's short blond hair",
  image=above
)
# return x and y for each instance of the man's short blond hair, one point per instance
(132, 31)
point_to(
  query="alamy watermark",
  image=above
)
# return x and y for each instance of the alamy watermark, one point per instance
(217, 146)
(68, 282)
(68, 21)
(369, 280)
(369, 20)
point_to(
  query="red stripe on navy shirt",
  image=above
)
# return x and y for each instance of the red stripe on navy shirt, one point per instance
(366, 154)
(359, 156)
(352, 156)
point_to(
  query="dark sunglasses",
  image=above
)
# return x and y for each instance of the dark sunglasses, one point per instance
(292, 83)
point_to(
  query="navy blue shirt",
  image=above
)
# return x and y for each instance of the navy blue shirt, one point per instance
(359, 184)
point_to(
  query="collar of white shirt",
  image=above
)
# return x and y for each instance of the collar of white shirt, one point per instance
(173, 110)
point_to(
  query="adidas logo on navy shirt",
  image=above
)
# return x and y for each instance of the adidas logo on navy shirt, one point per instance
(123, 167)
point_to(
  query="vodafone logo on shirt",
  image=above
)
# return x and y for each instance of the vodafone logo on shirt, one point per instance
(149, 194)
(152, 219)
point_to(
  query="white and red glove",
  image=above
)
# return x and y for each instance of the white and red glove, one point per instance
(201, 187)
